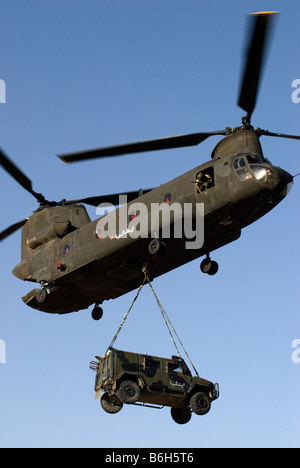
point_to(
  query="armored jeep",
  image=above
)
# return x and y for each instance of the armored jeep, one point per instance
(133, 378)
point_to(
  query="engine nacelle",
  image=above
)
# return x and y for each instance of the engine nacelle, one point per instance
(50, 223)
(58, 228)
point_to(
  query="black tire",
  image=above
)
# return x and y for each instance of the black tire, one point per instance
(129, 392)
(213, 268)
(181, 416)
(41, 296)
(205, 265)
(111, 403)
(200, 403)
(209, 267)
(97, 313)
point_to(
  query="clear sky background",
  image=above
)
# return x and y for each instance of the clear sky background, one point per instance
(84, 74)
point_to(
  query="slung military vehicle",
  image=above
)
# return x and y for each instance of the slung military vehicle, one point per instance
(133, 378)
(76, 265)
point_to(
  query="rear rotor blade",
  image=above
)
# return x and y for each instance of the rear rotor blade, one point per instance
(139, 147)
(10, 230)
(258, 39)
(19, 176)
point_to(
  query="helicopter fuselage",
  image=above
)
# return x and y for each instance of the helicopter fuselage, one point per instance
(77, 265)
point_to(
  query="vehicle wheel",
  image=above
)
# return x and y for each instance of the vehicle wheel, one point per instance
(41, 296)
(111, 403)
(97, 313)
(129, 392)
(157, 247)
(181, 416)
(200, 403)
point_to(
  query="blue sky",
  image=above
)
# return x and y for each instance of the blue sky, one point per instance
(84, 74)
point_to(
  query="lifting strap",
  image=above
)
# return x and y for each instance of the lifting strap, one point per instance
(164, 315)
(126, 315)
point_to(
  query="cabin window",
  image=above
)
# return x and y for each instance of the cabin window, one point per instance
(174, 367)
(205, 180)
(132, 216)
(179, 366)
(150, 362)
(167, 198)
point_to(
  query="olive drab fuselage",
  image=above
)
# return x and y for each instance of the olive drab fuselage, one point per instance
(76, 265)
(62, 251)
(166, 382)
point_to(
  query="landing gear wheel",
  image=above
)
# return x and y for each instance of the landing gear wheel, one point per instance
(129, 392)
(214, 267)
(97, 313)
(209, 266)
(111, 403)
(157, 247)
(181, 416)
(200, 403)
(41, 296)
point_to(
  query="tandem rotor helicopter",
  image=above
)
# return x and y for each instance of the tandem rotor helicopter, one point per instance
(62, 248)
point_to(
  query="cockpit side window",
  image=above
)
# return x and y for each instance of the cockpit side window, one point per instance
(205, 180)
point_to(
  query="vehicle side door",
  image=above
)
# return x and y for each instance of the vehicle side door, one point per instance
(179, 377)
(153, 373)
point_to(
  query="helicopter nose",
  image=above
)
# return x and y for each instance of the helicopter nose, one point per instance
(286, 181)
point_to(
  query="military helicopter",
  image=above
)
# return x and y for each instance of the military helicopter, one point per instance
(76, 266)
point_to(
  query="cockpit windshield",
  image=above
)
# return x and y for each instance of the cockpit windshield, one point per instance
(257, 164)
(254, 159)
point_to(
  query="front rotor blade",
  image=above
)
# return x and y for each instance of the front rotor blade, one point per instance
(280, 135)
(258, 39)
(113, 199)
(19, 176)
(10, 230)
(139, 147)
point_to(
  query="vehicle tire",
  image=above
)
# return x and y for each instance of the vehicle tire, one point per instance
(111, 403)
(129, 392)
(200, 403)
(41, 296)
(181, 416)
